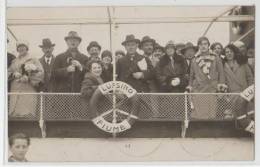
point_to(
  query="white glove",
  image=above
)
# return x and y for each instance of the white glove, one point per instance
(71, 68)
(188, 89)
(17, 75)
(175, 82)
(24, 79)
(222, 87)
(138, 75)
(142, 64)
(30, 67)
(77, 64)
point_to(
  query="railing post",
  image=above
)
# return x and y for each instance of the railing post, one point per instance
(41, 120)
(185, 123)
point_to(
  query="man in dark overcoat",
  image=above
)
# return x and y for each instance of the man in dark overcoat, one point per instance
(69, 67)
(147, 45)
(134, 69)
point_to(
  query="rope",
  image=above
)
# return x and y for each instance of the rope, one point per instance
(155, 94)
(243, 36)
(11, 32)
(211, 23)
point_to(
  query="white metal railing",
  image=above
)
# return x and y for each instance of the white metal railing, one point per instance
(153, 106)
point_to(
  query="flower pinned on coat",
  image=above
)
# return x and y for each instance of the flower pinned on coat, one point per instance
(142, 64)
(205, 62)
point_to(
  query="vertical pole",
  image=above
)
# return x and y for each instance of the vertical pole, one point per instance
(41, 120)
(111, 26)
(186, 121)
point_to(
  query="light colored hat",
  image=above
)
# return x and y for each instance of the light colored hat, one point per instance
(73, 35)
(187, 46)
(239, 44)
(22, 42)
(170, 43)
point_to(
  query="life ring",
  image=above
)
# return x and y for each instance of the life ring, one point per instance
(114, 127)
(244, 111)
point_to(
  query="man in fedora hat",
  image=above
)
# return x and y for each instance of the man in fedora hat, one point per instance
(179, 47)
(47, 61)
(69, 67)
(147, 45)
(134, 68)
(94, 50)
(189, 52)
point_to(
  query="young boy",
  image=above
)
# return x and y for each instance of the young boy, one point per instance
(18, 144)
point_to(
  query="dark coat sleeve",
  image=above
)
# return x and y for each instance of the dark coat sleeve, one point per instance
(220, 70)
(149, 73)
(84, 63)
(192, 72)
(164, 76)
(161, 79)
(58, 70)
(183, 77)
(249, 75)
(88, 87)
(10, 58)
(118, 70)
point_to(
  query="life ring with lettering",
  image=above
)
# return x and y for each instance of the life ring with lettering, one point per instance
(244, 110)
(98, 118)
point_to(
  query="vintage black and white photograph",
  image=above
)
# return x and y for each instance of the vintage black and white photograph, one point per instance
(130, 83)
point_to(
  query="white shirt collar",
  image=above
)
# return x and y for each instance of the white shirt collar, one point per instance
(47, 58)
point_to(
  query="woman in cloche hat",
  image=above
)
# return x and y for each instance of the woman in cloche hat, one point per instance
(26, 73)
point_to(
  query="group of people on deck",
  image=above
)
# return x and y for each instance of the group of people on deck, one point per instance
(176, 67)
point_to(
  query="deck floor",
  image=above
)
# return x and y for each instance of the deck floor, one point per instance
(139, 149)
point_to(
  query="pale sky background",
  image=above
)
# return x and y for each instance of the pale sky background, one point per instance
(178, 32)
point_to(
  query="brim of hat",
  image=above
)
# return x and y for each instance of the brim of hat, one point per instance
(142, 42)
(159, 47)
(94, 46)
(42, 46)
(134, 40)
(66, 38)
(190, 47)
(22, 44)
(170, 45)
(106, 55)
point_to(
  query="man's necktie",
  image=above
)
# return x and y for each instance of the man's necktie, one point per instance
(48, 61)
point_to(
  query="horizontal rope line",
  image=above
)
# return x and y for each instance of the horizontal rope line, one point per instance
(45, 93)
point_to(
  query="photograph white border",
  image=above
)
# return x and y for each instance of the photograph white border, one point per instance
(52, 3)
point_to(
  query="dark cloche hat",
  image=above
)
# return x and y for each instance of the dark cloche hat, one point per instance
(93, 44)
